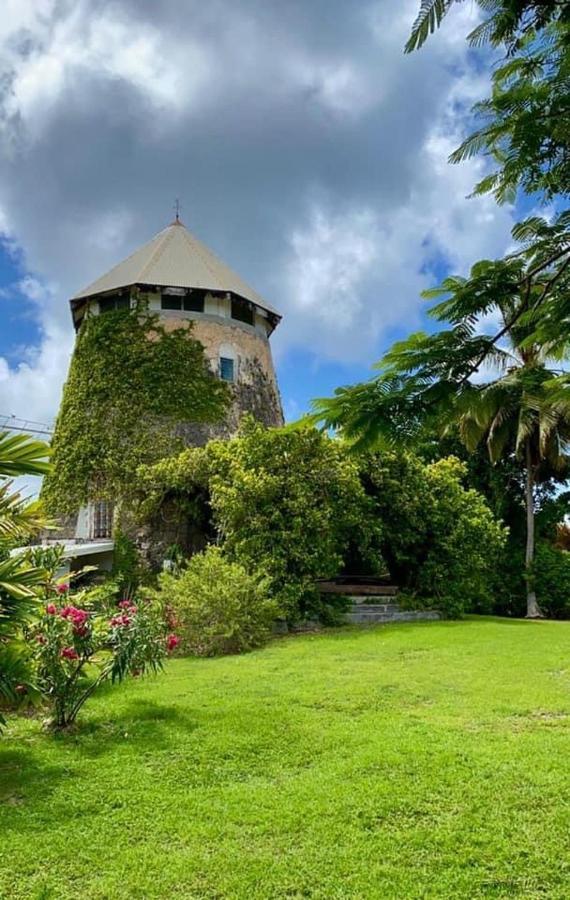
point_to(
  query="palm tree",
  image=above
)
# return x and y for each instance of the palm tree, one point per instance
(527, 408)
(19, 581)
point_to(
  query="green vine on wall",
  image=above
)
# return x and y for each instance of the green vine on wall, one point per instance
(130, 382)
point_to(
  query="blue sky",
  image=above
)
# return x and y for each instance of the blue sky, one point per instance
(308, 152)
(19, 326)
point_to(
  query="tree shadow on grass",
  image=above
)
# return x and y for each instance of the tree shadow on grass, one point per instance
(24, 774)
(29, 775)
(142, 725)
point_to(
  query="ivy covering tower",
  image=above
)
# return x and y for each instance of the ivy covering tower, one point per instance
(172, 349)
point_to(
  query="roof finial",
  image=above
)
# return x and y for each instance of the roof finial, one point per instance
(177, 209)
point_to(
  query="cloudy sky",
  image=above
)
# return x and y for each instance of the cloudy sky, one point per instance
(306, 149)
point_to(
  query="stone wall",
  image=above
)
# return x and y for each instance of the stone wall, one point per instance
(255, 390)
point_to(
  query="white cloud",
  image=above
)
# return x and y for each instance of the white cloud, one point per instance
(107, 44)
(307, 149)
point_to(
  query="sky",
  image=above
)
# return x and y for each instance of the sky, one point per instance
(306, 149)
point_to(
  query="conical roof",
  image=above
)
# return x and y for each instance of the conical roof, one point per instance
(174, 258)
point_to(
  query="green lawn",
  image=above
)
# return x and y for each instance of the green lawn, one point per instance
(416, 760)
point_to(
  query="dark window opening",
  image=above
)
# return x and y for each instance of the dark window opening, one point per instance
(115, 301)
(227, 369)
(171, 301)
(194, 302)
(242, 310)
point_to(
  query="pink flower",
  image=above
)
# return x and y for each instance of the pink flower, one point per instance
(127, 604)
(62, 588)
(69, 653)
(51, 609)
(78, 617)
(120, 621)
(172, 642)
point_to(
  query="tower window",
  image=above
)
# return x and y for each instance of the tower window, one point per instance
(242, 310)
(102, 519)
(115, 301)
(194, 302)
(171, 301)
(227, 369)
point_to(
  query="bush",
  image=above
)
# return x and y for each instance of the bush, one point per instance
(218, 607)
(441, 542)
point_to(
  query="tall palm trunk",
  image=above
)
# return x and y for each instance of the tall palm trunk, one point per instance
(532, 607)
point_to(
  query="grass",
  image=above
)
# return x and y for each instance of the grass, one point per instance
(420, 760)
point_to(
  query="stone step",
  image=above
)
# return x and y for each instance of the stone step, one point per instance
(385, 590)
(374, 607)
(366, 591)
(358, 616)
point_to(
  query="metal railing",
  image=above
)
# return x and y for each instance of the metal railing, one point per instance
(26, 426)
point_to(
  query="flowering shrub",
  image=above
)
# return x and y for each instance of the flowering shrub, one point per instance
(78, 648)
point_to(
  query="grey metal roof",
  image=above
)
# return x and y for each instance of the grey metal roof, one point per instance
(175, 258)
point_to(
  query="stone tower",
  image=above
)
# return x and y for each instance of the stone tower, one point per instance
(178, 278)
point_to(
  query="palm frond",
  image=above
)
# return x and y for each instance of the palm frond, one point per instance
(428, 19)
(18, 518)
(22, 455)
(18, 580)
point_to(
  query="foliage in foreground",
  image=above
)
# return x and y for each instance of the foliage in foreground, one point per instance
(131, 381)
(20, 580)
(288, 505)
(217, 606)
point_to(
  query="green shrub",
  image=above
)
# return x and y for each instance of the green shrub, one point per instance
(441, 542)
(128, 571)
(218, 607)
(552, 580)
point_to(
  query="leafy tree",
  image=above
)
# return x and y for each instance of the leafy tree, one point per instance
(524, 126)
(287, 505)
(440, 541)
(19, 581)
(428, 379)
